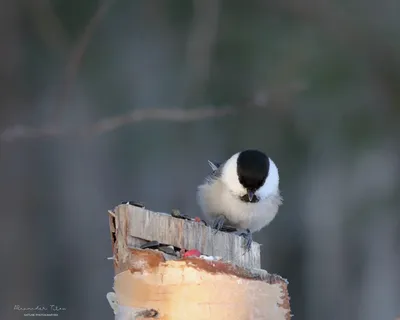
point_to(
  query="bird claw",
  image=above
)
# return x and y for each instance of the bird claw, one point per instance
(218, 223)
(246, 234)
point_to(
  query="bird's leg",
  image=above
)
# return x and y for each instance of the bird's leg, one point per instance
(246, 234)
(218, 223)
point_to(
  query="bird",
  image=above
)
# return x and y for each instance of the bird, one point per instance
(241, 193)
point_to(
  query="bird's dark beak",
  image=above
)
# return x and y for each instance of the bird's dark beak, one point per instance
(250, 194)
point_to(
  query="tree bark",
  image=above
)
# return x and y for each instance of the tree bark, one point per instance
(150, 283)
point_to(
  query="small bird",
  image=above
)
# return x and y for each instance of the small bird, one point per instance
(242, 193)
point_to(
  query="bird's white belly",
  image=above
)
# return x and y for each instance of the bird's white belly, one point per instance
(252, 216)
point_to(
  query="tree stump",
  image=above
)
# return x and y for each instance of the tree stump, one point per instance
(162, 282)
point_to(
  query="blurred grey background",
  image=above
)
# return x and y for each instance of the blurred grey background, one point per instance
(103, 102)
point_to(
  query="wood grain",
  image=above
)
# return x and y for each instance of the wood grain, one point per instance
(150, 283)
(149, 225)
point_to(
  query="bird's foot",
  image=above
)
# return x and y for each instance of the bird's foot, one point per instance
(246, 234)
(218, 223)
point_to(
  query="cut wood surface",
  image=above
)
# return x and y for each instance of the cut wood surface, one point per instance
(153, 284)
(155, 226)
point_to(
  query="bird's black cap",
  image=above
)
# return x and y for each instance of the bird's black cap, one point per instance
(252, 169)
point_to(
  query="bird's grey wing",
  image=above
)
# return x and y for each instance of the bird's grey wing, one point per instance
(214, 165)
(217, 170)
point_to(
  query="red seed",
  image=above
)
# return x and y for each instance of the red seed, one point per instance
(197, 219)
(192, 253)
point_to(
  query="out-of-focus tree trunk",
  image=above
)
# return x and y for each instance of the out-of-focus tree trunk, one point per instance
(82, 181)
(17, 267)
(323, 222)
(380, 277)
